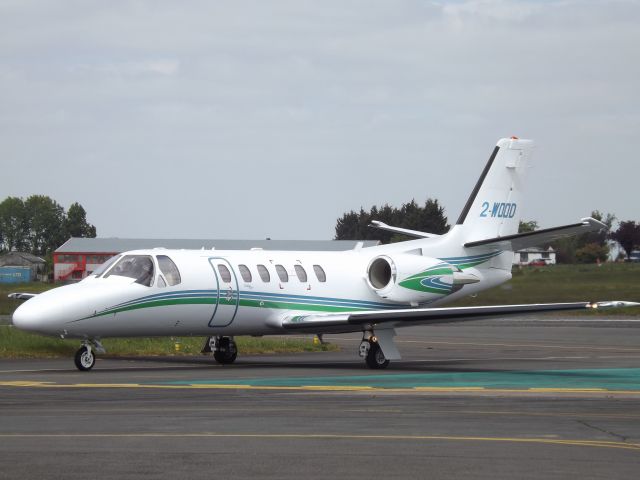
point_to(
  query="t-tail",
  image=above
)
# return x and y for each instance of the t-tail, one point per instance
(488, 224)
(495, 204)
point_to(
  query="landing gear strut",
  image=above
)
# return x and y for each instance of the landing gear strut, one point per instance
(224, 349)
(372, 353)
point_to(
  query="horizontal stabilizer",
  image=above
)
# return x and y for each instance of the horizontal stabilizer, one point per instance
(22, 296)
(519, 241)
(350, 322)
(403, 231)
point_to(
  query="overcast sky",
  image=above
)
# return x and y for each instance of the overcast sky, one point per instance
(248, 119)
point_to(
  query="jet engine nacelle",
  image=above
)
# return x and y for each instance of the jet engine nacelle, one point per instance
(414, 279)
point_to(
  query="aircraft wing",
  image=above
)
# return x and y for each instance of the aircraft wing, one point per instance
(357, 321)
(539, 237)
(22, 296)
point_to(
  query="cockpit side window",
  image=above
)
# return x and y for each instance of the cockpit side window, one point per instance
(138, 267)
(169, 270)
(103, 268)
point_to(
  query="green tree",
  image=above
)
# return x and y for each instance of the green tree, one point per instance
(602, 236)
(568, 247)
(565, 249)
(432, 218)
(76, 224)
(46, 224)
(428, 218)
(13, 224)
(628, 236)
(591, 253)
(530, 226)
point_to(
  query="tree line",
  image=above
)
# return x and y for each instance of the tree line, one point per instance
(587, 248)
(594, 246)
(428, 218)
(39, 224)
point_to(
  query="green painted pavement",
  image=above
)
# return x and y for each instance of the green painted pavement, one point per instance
(609, 379)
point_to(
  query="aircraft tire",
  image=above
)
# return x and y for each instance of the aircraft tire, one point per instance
(375, 358)
(225, 358)
(228, 355)
(84, 359)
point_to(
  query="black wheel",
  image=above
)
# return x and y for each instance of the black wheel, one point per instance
(227, 352)
(84, 359)
(375, 358)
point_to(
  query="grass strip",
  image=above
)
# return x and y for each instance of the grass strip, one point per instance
(15, 343)
(567, 283)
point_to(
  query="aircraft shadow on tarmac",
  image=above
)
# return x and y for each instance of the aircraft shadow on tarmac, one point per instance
(280, 362)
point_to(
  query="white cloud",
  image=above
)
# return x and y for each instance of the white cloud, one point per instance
(344, 103)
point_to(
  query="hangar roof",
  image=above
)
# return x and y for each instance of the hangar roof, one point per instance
(19, 259)
(117, 245)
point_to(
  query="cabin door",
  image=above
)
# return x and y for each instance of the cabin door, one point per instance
(228, 296)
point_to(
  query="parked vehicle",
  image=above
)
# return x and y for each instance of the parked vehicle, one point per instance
(540, 262)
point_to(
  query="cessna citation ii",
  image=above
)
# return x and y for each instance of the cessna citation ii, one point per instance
(374, 290)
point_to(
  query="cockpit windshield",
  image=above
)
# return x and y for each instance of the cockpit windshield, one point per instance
(103, 268)
(139, 267)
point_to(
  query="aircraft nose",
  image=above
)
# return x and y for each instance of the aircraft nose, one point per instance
(26, 317)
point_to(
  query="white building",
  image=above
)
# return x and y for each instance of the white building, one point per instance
(528, 255)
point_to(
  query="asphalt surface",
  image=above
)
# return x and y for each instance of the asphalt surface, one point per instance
(496, 399)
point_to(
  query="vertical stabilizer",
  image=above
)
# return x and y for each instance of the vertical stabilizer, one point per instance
(495, 205)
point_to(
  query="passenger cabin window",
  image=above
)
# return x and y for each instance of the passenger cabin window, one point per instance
(264, 273)
(300, 272)
(282, 273)
(245, 273)
(138, 267)
(169, 270)
(225, 274)
(320, 275)
(103, 268)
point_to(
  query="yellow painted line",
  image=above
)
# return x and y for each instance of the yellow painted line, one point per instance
(26, 383)
(332, 388)
(320, 436)
(105, 385)
(400, 411)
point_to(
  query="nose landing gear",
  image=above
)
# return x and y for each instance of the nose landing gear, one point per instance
(85, 357)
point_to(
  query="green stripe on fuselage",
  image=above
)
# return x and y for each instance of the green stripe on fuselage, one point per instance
(231, 302)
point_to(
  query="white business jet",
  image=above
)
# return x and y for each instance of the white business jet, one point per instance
(220, 294)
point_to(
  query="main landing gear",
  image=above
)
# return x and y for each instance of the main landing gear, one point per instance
(377, 348)
(224, 349)
(372, 353)
(85, 357)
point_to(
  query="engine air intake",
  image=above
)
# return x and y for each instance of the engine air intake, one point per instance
(380, 272)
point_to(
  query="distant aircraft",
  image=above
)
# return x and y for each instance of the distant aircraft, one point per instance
(220, 294)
